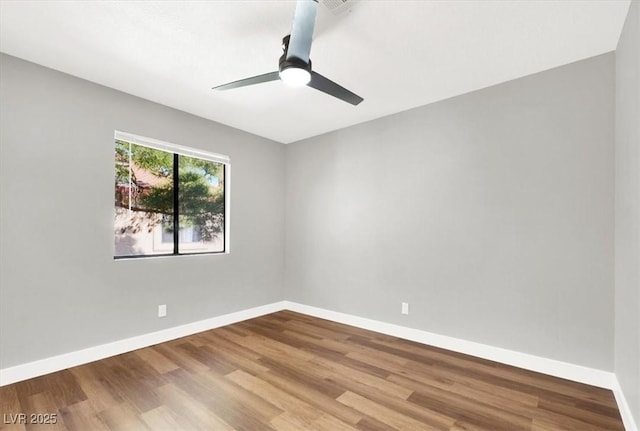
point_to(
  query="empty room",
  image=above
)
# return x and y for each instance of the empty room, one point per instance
(320, 215)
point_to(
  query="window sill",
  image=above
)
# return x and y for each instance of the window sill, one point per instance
(160, 256)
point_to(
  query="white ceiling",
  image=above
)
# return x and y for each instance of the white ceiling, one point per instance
(396, 54)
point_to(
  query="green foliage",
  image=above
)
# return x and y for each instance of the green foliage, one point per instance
(208, 168)
(122, 162)
(200, 197)
(158, 162)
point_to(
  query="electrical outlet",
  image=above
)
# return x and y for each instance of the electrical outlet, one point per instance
(162, 310)
(405, 308)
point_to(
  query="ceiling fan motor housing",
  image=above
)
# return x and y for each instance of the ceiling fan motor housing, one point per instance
(294, 62)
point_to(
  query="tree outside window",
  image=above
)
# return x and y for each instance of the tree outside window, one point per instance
(167, 203)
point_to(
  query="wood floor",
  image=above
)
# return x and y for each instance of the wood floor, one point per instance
(288, 371)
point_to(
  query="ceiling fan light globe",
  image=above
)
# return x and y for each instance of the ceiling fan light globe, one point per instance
(295, 76)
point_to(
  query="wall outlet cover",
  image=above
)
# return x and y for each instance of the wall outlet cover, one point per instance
(405, 308)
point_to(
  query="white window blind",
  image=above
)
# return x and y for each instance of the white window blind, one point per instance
(171, 148)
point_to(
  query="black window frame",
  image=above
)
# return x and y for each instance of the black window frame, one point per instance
(176, 207)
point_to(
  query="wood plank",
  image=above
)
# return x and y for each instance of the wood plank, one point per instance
(312, 396)
(480, 367)
(100, 392)
(191, 410)
(123, 417)
(281, 399)
(339, 372)
(216, 396)
(164, 418)
(384, 414)
(81, 416)
(287, 371)
(465, 410)
(10, 408)
(157, 360)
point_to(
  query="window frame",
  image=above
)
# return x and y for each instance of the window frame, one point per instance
(180, 150)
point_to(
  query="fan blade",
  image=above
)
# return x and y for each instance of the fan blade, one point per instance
(329, 87)
(271, 76)
(304, 20)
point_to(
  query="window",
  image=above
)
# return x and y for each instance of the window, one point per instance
(169, 199)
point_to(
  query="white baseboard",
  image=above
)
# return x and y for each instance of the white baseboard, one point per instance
(552, 367)
(565, 370)
(623, 406)
(79, 357)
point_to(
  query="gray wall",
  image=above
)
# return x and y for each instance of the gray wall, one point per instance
(627, 210)
(61, 290)
(490, 213)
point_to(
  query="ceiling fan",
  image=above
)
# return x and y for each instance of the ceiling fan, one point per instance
(295, 65)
